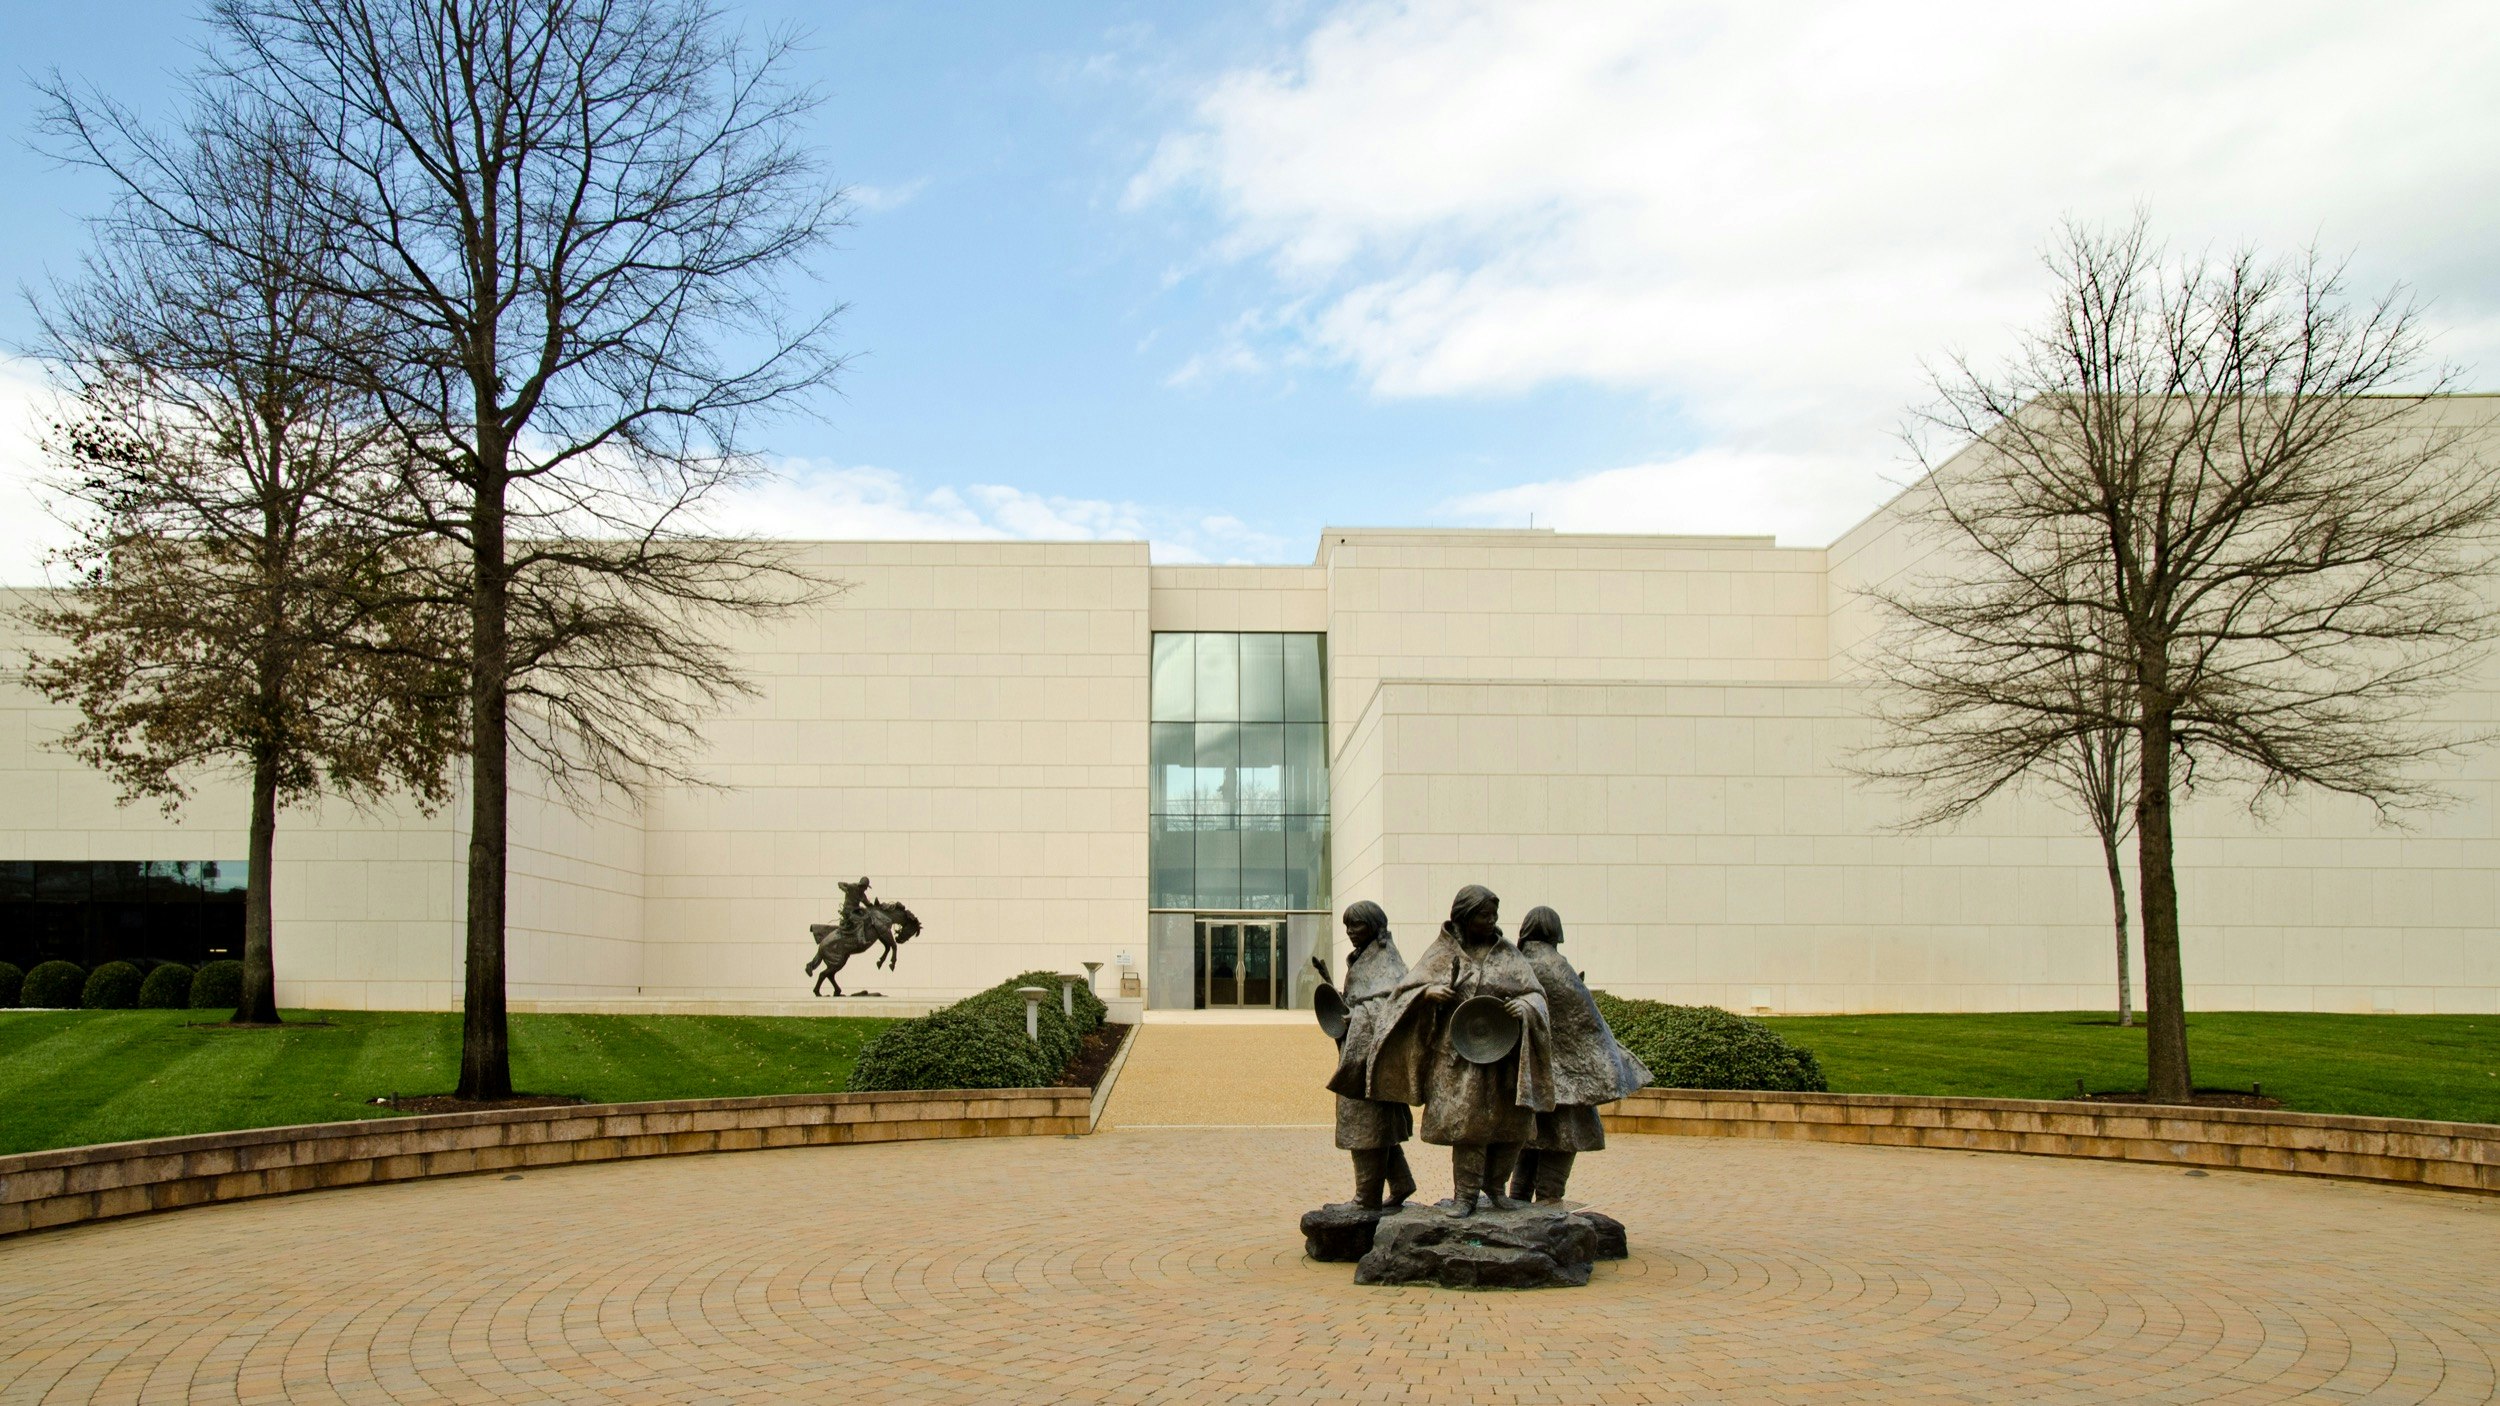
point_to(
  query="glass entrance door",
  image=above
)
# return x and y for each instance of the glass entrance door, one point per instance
(1239, 961)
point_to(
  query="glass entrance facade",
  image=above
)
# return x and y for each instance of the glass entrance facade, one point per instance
(1238, 786)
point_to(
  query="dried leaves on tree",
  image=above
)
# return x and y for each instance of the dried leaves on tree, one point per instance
(233, 600)
(575, 223)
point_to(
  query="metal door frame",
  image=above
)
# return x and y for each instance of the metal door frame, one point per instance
(1273, 924)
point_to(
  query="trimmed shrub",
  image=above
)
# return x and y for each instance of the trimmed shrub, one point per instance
(113, 986)
(168, 988)
(979, 1042)
(218, 986)
(1703, 1047)
(1060, 1036)
(954, 1049)
(12, 980)
(56, 985)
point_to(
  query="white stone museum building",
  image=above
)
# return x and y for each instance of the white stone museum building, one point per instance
(1062, 752)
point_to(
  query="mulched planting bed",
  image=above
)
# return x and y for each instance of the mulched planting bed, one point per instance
(2205, 1098)
(446, 1103)
(1093, 1058)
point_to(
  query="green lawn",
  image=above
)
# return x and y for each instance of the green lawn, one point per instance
(71, 1077)
(2387, 1066)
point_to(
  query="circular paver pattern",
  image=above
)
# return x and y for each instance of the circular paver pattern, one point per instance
(1150, 1265)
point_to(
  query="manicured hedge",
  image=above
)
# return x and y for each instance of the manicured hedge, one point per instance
(217, 987)
(12, 981)
(979, 1042)
(56, 985)
(1703, 1047)
(168, 988)
(113, 986)
(952, 1049)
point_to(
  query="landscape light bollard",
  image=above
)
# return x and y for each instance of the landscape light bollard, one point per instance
(1067, 997)
(1090, 969)
(1032, 1011)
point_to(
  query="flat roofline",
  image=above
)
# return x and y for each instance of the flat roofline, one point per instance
(1924, 473)
(1548, 537)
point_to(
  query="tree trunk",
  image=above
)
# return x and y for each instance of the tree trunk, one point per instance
(485, 1039)
(259, 1005)
(2118, 916)
(2165, 1001)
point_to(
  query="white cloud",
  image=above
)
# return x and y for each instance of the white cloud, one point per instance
(1767, 215)
(28, 528)
(1710, 492)
(877, 199)
(800, 501)
(811, 501)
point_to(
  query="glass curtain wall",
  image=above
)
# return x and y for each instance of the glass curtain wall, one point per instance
(142, 911)
(1239, 777)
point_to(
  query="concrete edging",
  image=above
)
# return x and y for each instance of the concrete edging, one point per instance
(2397, 1151)
(1110, 1076)
(70, 1185)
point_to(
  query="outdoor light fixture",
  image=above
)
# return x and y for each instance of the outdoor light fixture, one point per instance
(1067, 996)
(1032, 1011)
(1090, 969)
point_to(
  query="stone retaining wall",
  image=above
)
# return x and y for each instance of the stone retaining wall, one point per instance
(67, 1185)
(2456, 1156)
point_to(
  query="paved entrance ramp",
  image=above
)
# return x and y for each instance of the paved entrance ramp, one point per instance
(1209, 1075)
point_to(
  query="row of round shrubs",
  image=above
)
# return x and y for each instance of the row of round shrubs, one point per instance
(979, 1042)
(121, 986)
(1703, 1047)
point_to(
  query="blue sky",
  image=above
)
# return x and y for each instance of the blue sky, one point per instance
(1219, 275)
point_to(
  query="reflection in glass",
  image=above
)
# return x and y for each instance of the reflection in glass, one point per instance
(1172, 862)
(1174, 672)
(1306, 862)
(1258, 965)
(134, 910)
(1219, 677)
(1172, 769)
(1263, 876)
(1223, 964)
(1306, 769)
(1261, 790)
(1306, 701)
(1219, 762)
(1219, 868)
(1262, 678)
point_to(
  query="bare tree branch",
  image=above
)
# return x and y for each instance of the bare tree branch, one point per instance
(233, 602)
(2211, 508)
(575, 220)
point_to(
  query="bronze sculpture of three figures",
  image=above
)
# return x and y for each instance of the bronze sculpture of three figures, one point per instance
(1501, 1045)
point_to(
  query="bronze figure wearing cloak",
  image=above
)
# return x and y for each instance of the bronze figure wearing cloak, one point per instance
(1590, 1066)
(1370, 1129)
(1481, 1112)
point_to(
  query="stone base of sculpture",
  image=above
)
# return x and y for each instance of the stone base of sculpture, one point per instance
(1534, 1247)
(1341, 1233)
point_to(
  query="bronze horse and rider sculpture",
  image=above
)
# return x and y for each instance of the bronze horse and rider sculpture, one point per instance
(863, 924)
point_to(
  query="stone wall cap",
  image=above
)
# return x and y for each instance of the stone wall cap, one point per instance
(394, 1125)
(2252, 1117)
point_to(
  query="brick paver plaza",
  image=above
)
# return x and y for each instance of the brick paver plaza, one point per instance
(1163, 1264)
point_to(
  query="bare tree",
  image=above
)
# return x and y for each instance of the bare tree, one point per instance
(575, 216)
(2099, 774)
(1956, 749)
(231, 601)
(2210, 483)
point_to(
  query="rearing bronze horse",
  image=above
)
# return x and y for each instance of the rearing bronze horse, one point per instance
(864, 924)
